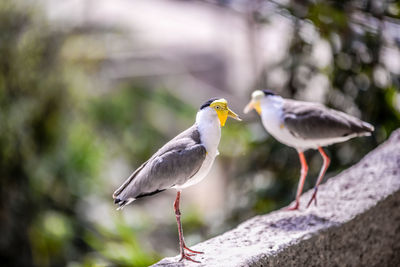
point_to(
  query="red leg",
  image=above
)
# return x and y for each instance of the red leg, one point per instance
(182, 245)
(304, 170)
(191, 250)
(325, 166)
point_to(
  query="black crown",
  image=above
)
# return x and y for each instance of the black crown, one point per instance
(268, 92)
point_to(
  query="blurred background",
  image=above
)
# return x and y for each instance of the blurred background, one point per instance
(91, 89)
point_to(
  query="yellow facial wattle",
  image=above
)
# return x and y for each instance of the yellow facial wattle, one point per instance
(254, 104)
(222, 116)
(223, 112)
(257, 107)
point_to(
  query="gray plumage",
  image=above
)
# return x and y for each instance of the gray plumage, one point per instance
(315, 121)
(173, 164)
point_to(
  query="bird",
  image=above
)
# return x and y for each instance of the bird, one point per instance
(182, 162)
(305, 125)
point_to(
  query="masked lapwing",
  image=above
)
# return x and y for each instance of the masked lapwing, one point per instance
(303, 126)
(180, 163)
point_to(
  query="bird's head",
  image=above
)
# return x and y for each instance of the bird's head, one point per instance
(220, 105)
(256, 98)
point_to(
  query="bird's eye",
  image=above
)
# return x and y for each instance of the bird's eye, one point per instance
(217, 107)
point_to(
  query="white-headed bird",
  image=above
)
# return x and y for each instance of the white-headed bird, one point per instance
(304, 125)
(180, 163)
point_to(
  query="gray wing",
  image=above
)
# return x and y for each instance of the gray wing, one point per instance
(174, 164)
(315, 121)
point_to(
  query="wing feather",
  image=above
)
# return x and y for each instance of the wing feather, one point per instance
(173, 164)
(129, 180)
(315, 121)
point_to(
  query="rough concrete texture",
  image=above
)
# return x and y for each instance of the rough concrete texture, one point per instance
(356, 223)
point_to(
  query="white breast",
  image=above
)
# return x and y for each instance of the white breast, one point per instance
(272, 119)
(210, 135)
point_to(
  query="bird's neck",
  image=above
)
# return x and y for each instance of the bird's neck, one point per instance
(271, 104)
(209, 129)
(272, 114)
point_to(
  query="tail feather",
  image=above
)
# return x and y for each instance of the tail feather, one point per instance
(366, 129)
(123, 202)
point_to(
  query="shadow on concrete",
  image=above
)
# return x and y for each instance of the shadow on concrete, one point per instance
(301, 223)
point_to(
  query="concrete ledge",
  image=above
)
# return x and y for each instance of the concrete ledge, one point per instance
(356, 223)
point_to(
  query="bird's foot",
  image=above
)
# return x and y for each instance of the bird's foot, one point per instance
(187, 256)
(314, 197)
(193, 251)
(295, 207)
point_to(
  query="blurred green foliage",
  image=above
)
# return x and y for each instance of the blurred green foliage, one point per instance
(51, 151)
(58, 133)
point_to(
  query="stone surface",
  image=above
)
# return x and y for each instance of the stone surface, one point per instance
(356, 223)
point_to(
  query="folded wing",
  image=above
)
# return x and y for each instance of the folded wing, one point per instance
(315, 121)
(174, 164)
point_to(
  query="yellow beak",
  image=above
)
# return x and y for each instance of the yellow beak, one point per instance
(224, 114)
(253, 105)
